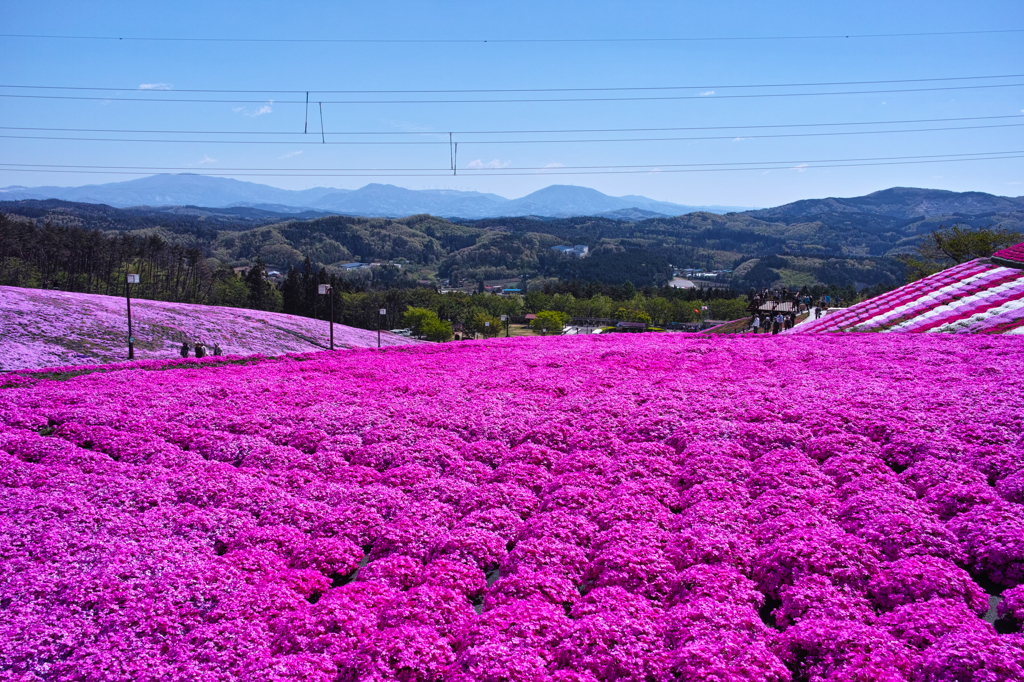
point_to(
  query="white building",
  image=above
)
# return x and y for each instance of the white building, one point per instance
(579, 250)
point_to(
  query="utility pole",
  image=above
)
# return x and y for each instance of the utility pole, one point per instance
(504, 318)
(325, 289)
(129, 280)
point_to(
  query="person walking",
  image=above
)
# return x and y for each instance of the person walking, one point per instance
(184, 349)
(779, 321)
(756, 323)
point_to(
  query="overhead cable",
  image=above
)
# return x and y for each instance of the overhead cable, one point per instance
(535, 100)
(514, 132)
(645, 165)
(553, 171)
(506, 90)
(480, 41)
(548, 141)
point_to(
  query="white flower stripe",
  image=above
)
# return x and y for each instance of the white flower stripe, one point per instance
(977, 323)
(892, 300)
(928, 299)
(958, 308)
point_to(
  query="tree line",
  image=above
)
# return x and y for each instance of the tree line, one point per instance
(70, 258)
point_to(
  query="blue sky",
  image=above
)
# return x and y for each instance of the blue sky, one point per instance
(709, 70)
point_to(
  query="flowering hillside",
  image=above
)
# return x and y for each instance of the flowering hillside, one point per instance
(978, 297)
(648, 508)
(44, 328)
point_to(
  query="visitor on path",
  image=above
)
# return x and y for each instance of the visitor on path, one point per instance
(756, 323)
(184, 349)
(779, 321)
(817, 312)
(200, 350)
(216, 349)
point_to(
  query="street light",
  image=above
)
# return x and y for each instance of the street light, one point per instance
(325, 289)
(129, 280)
(383, 312)
(504, 318)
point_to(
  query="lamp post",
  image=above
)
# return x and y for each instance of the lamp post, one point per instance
(129, 280)
(383, 312)
(504, 318)
(325, 289)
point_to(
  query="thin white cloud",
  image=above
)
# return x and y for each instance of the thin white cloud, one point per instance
(739, 139)
(707, 93)
(288, 155)
(155, 86)
(1013, 182)
(265, 109)
(800, 167)
(555, 164)
(496, 163)
(205, 161)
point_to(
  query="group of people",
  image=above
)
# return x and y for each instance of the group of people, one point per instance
(802, 300)
(200, 349)
(775, 324)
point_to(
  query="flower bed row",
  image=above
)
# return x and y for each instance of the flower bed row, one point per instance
(975, 297)
(648, 508)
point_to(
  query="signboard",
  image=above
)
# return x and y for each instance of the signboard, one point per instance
(324, 288)
(133, 279)
(383, 311)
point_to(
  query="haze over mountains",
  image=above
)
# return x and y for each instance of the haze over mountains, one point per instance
(373, 200)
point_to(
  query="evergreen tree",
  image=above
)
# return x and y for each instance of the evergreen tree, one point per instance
(262, 294)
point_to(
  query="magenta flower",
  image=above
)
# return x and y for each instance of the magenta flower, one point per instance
(921, 624)
(921, 578)
(970, 654)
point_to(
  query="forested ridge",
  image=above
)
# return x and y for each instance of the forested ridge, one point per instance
(225, 256)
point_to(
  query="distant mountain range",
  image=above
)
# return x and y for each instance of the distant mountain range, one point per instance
(897, 202)
(373, 200)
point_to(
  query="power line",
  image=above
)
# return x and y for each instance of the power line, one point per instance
(535, 100)
(509, 90)
(480, 41)
(606, 166)
(515, 132)
(558, 171)
(549, 141)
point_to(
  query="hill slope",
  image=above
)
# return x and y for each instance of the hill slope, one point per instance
(339, 518)
(44, 328)
(981, 297)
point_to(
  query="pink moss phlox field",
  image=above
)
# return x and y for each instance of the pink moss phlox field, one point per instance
(46, 328)
(981, 296)
(650, 508)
